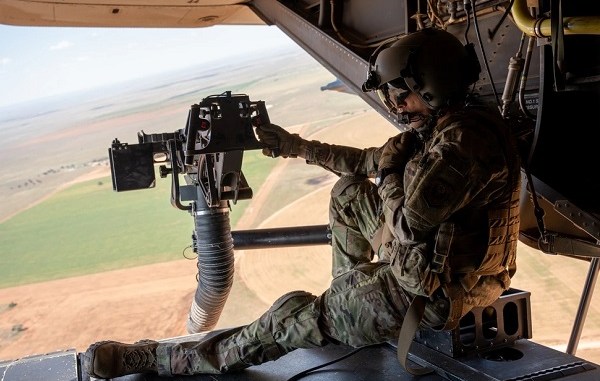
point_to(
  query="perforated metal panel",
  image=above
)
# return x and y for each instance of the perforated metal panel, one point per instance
(498, 325)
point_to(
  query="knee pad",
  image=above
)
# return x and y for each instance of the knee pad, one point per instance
(293, 321)
(291, 302)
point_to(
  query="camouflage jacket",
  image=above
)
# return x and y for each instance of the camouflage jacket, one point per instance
(453, 210)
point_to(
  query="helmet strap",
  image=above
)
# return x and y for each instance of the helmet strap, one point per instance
(424, 132)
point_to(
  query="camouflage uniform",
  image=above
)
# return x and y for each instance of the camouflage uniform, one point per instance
(448, 226)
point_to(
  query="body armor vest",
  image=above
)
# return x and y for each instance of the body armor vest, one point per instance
(474, 251)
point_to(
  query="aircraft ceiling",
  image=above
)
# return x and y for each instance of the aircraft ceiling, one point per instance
(127, 13)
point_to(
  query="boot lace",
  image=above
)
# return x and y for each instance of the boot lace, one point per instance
(139, 359)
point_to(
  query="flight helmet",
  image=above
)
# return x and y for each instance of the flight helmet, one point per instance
(431, 62)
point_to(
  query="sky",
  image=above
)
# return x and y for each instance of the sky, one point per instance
(37, 62)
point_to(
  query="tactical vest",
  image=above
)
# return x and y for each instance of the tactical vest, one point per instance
(468, 278)
(474, 252)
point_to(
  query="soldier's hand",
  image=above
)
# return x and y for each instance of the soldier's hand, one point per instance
(398, 150)
(279, 142)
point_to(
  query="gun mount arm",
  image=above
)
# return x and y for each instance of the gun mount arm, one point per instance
(282, 237)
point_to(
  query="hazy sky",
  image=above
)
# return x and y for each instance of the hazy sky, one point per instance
(39, 61)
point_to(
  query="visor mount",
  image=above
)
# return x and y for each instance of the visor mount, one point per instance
(372, 82)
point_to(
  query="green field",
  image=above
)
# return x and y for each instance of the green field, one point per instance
(88, 228)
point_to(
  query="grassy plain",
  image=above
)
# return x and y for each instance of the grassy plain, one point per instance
(87, 228)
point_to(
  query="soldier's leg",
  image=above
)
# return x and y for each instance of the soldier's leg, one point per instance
(354, 219)
(363, 306)
(291, 323)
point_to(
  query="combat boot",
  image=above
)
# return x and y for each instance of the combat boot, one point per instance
(109, 359)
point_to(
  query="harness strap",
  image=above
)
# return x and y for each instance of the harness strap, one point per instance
(456, 295)
(407, 334)
(564, 245)
(414, 315)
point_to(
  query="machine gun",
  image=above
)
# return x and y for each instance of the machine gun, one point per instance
(208, 152)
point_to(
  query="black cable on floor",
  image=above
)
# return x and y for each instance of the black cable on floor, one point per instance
(307, 371)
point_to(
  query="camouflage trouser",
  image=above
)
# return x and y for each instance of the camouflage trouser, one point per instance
(354, 219)
(364, 305)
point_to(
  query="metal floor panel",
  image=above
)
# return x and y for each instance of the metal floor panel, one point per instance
(376, 363)
(56, 366)
(524, 361)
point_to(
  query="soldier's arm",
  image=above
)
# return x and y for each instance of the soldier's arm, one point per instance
(342, 159)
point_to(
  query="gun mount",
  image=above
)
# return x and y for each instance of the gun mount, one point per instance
(208, 152)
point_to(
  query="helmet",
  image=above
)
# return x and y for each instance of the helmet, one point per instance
(432, 63)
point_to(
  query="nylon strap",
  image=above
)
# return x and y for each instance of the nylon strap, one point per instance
(407, 334)
(455, 294)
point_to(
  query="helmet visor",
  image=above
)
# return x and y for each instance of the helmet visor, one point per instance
(393, 93)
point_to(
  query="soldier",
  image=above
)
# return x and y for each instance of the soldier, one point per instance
(441, 217)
